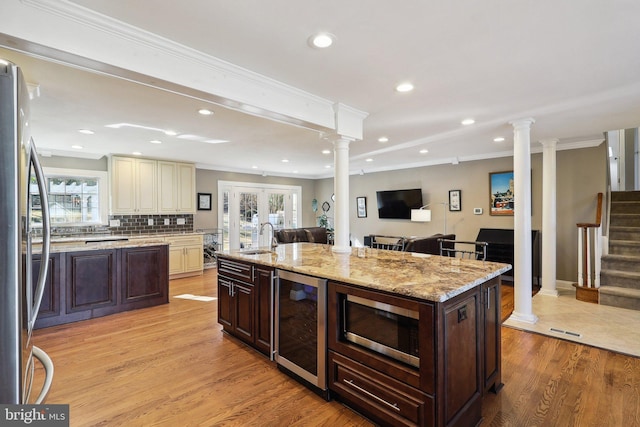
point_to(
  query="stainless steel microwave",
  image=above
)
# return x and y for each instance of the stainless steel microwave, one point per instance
(381, 327)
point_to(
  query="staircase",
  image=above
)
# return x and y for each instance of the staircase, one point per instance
(620, 273)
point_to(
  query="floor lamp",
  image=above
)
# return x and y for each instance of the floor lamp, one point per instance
(424, 215)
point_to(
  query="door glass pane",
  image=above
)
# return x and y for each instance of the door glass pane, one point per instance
(294, 209)
(277, 210)
(225, 220)
(248, 220)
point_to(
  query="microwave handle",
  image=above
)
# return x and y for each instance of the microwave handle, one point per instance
(344, 315)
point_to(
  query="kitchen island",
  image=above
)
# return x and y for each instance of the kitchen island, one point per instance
(98, 276)
(455, 340)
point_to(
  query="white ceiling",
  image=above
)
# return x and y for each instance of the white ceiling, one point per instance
(573, 66)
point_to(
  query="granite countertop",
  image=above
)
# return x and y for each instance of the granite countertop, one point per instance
(94, 245)
(427, 277)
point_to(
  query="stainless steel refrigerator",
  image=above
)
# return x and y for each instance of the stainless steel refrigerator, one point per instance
(23, 210)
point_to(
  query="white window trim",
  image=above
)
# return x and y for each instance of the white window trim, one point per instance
(103, 189)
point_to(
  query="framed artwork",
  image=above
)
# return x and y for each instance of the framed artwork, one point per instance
(361, 204)
(204, 201)
(455, 200)
(501, 193)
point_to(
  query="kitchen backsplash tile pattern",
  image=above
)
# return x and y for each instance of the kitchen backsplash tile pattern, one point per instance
(130, 225)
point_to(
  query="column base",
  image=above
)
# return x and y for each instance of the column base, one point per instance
(341, 249)
(525, 318)
(548, 292)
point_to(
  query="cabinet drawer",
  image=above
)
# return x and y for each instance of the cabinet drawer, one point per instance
(235, 269)
(377, 395)
(184, 240)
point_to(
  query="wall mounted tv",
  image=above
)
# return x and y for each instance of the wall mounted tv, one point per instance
(397, 204)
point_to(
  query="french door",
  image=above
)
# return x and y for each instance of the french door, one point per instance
(244, 207)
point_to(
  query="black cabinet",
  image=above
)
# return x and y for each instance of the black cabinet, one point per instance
(501, 249)
(50, 305)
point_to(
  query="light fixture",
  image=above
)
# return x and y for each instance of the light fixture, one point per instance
(86, 131)
(421, 215)
(368, 160)
(77, 147)
(285, 160)
(424, 215)
(326, 151)
(137, 153)
(468, 122)
(170, 132)
(383, 139)
(205, 112)
(424, 151)
(498, 139)
(321, 40)
(404, 87)
(155, 141)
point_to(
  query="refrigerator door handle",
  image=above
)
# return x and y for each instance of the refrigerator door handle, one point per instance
(48, 367)
(46, 235)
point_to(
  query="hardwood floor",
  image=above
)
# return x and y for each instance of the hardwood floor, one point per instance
(172, 366)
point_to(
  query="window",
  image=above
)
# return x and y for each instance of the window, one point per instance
(76, 197)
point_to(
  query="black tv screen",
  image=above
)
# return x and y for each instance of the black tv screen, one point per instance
(397, 204)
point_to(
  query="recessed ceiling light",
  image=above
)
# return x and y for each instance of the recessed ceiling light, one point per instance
(424, 151)
(295, 171)
(468, 122)
(404, 87)
(254, 167)
(369, 160)
(326, 151)
(327, 166)
(498, 139)
(86, 131)
(285, 160)
(77, 147)
(155, 141)
(383, 139)
(205, 112)
(321, 40)
(137, 153)
(170, 132)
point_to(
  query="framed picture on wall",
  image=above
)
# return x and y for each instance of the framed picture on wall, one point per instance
(361, 204)
(501, 193)
(204, 201)
(455, 200)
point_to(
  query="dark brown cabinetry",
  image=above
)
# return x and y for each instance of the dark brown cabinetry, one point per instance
(491, 303)
(245, 302)
(459, 359)
(86, 284)
(50, 305)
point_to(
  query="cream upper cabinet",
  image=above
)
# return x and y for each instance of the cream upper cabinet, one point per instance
(176, 183)
(133, 186)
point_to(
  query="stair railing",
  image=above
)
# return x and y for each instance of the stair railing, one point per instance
(588, 233)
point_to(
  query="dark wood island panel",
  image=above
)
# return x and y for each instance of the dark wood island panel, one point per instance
(83, 285)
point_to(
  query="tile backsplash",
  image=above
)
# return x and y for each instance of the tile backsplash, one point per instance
(140, 224)
(130, 225)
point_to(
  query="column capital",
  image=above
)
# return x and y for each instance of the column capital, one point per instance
(549, 142)
(522, 123)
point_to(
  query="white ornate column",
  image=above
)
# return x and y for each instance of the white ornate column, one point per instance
(341, 190)
(522, 278)
(549, 217)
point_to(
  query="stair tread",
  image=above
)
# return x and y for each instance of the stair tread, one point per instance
(615, 257)
(621, 273)
(624, 242)
(617, 290)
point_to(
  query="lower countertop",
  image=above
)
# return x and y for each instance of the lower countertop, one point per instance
(90, 242)
(427, 277)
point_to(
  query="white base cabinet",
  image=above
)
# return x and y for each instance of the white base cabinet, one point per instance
(185, 255)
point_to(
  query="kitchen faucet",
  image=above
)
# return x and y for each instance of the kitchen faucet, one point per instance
(274, 241)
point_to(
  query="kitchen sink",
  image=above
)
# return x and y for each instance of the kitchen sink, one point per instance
(256, 251)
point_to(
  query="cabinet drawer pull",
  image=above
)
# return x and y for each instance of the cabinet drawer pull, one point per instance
(228, 267)
(368, 393)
